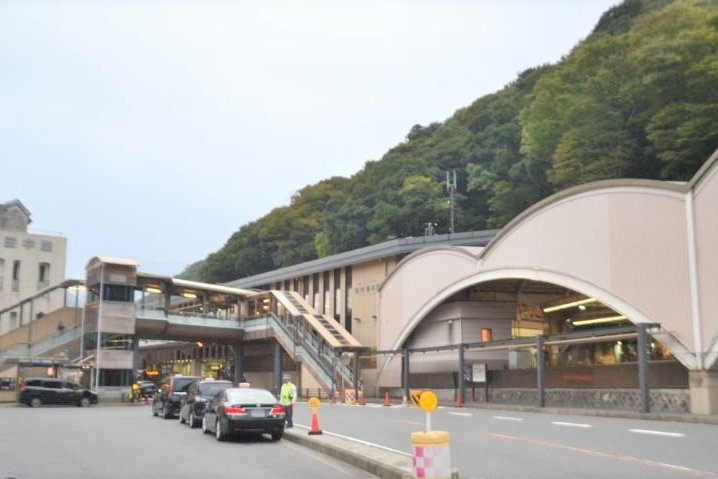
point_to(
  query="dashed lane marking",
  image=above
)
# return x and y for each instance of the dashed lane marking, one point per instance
(657, 433)
(509, 418)
(461, 414)
(570, 424)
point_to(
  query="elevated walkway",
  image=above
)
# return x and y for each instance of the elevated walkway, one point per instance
(315, 340)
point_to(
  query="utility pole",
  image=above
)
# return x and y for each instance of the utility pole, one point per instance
(451, 189)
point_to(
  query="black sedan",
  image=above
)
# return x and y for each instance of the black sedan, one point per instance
(244, 411)
(198, 395)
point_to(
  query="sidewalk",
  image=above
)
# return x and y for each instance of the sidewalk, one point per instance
(617, 413)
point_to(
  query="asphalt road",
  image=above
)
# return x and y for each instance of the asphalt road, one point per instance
(495, 444)
(127, 442)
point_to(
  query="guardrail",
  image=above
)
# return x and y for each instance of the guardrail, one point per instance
(41, 347)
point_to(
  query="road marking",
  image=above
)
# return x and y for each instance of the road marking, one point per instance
(617, 457)
(359, 441)
(508, 418)
(461, 414)
(570, 424)
(658, 433)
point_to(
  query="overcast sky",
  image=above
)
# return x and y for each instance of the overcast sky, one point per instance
(153, 130)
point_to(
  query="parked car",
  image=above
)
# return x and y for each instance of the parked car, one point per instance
(166, 401)
(244, 411)
(38, 391)
(198, 395)
(147, 389)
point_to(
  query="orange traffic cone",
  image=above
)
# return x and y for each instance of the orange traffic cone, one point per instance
(386, 399)
(362, 399)
(315, 425)
(459, 402)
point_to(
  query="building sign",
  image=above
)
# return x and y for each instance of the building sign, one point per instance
(366, 289)
(478, 373)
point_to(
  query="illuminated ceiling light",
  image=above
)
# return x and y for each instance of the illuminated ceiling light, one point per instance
(77, 287)
(569, 305)
(153, 289)
(200, 344)
(189, 295)
(582, 307)
(608, 319)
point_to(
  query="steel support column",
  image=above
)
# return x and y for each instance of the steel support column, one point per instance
(540, 365)
(277, 367)
(462, 386)
(406, 373)
(239, 361)
(643, 367)
(356, 372)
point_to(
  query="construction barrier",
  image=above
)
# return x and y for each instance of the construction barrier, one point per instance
(432, 455)
(349, 396)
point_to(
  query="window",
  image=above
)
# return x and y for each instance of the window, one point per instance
(326, 296)
(46, 245)
(10, 242)
(315, 292)
(16, 276)
(13, 320)
(348, 298)
(115, 377)
(43, 275)
(115, 292)
(2, 272)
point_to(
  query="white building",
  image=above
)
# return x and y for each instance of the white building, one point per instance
(29, 263)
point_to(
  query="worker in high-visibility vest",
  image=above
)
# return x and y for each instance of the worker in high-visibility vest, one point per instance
(287, 397)
(135, 393)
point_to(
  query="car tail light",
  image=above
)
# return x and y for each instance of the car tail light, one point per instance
(23, 385)
(235, 411)
(277, 411)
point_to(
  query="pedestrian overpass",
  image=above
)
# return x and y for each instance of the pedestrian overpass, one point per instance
(123, 306)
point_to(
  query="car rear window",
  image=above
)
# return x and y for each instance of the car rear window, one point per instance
(250, 396)
(182, 384)
(210, 389)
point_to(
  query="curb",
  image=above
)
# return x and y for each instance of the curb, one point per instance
(381, 463)
(374, 460)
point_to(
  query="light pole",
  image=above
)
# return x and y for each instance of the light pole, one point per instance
(451, 189)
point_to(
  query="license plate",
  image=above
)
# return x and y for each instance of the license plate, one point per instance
(257, 412)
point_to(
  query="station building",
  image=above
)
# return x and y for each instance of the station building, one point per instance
(598, 296)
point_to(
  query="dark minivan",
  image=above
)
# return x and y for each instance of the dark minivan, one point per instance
(198, 395)
(166, 401)
(38, 391)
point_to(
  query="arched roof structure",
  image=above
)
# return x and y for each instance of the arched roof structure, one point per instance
(648, 249)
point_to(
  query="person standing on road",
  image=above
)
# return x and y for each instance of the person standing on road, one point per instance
(287, 397)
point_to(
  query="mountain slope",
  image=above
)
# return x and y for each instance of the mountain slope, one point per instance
(637, 98)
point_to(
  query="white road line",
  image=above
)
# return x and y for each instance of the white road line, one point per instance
(570, 424)
(461, 414)
(359, 441)
(508, 418)
(657, 433)
(673, 466)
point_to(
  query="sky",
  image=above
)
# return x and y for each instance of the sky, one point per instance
(153, 130)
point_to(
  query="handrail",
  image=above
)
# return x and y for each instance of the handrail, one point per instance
(328, 362)
(68, 335)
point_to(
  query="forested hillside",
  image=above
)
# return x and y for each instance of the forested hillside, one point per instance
(638, 98)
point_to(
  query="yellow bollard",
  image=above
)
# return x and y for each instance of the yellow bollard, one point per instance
(432, 455)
